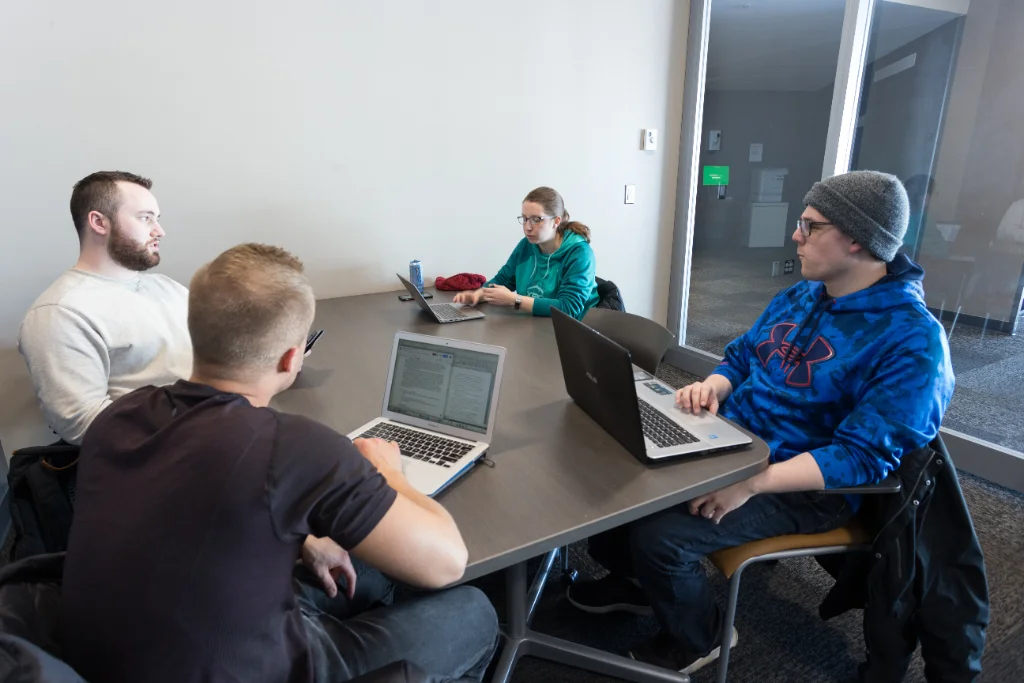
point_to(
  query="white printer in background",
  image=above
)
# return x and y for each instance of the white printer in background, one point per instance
(766, 185)
(769, 215)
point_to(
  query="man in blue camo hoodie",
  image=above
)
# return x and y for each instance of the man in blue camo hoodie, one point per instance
(841, 375)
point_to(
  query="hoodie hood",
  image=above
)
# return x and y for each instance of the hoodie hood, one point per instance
(545, 269)
(570, 240)
(565, 279)
(901, 286)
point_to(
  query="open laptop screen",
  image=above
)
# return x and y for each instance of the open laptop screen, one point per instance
(443, 385)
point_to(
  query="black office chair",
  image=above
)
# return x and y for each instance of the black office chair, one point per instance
(646, 340)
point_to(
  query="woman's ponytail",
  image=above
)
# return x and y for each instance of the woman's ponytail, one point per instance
(576, 227)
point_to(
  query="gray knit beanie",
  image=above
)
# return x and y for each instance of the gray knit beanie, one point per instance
(869, 206)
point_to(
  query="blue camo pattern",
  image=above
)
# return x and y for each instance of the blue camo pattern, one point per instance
(856, 381)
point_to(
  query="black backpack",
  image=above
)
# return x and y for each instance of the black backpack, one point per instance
(42, 494)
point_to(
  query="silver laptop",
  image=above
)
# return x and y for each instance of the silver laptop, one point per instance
(443, 313)
(670, 432)
(440, 404)
(638, 410)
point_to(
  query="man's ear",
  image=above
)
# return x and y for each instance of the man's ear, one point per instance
(856, 247)
(291, 360)
(98, 223)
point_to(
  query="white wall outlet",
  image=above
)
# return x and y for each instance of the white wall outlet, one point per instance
(630, 194)
(714, 140)
(650, 139)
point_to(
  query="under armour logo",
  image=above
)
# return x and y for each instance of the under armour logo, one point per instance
(799, 362)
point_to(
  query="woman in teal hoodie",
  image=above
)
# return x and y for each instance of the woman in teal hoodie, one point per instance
(552, 266)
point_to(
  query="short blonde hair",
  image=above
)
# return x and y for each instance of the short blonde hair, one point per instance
(247, 307)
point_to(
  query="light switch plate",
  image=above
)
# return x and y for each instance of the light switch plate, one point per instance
(650, 139)
(714, 140)
(630, 194)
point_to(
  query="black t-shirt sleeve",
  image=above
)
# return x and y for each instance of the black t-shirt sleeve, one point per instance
(318, 483)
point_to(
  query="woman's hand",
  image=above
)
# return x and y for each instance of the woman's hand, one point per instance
(469, 298)
(499, 295)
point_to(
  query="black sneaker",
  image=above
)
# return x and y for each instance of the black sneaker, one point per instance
(665, 651)
(610, 594)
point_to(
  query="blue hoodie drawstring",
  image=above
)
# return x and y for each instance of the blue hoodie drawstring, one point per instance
(812, 317)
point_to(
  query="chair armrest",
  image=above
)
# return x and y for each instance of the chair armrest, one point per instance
(891, 484)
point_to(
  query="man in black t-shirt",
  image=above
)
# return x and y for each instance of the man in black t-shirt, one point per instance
(196, 500)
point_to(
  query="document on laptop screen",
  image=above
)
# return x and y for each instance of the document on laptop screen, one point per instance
(421, 381)
(443, 385)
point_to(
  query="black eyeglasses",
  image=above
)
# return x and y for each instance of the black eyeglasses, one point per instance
(806, 225)
(534, 220)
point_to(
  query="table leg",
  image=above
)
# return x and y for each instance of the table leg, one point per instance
(537, 587)
(514, 635)
(520, 640)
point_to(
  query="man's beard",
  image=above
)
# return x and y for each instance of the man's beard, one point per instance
(128, 253)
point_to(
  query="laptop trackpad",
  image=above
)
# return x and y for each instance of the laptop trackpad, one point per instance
(703, 425)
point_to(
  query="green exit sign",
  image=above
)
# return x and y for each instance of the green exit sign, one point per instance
(716, 175)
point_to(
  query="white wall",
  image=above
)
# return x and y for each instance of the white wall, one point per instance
(358, 135)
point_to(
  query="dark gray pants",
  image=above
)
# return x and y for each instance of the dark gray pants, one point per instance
(450, 634)
(664, 552)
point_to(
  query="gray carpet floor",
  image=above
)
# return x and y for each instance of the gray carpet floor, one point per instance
(781, 636)
(727, 296)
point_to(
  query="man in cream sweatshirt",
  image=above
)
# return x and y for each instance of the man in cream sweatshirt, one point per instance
(106, 327)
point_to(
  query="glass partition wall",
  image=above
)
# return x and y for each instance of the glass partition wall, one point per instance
(789, 91)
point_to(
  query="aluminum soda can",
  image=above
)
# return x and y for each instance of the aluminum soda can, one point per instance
(416, 274)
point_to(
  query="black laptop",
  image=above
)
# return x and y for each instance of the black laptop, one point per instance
(640, 414)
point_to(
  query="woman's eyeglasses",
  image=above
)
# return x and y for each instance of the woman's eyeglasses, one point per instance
(534, 220)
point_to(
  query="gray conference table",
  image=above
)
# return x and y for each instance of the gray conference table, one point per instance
(557, 477)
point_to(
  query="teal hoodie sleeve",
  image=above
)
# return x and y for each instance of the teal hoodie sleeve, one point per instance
(506, 277)
(577, 290)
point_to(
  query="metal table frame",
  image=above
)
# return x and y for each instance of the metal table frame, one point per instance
(520, 640)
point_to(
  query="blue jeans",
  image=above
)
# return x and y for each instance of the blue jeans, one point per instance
(450, 634)
(664, 551)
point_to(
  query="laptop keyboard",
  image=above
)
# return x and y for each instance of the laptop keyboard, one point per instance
(662, 431)
(447, 312)
(437, 450)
